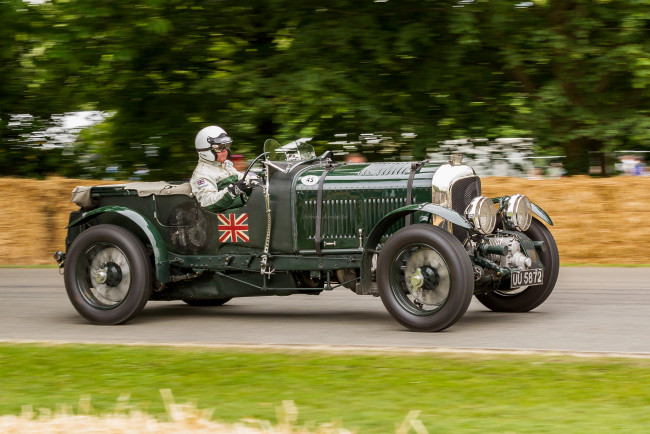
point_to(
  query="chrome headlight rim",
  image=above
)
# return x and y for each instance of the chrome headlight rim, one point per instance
(482, 215)
(519, 214)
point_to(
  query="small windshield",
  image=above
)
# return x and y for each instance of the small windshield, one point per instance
(299, 150)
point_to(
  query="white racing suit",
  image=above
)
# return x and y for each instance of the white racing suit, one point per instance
(209, 185)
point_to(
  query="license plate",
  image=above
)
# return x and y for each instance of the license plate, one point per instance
(526, 278)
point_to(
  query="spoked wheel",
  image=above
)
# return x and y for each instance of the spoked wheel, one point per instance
(425, 278)
(529, 297)
(108, 275)
(207, 301)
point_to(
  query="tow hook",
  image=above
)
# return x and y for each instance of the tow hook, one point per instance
(59, 257)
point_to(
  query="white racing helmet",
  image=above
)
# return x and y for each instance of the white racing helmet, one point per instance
(211, 140)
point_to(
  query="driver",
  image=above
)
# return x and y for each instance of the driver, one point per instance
(215, 183)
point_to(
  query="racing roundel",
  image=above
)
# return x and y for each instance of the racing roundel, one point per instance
(310, 180)
(233, 228)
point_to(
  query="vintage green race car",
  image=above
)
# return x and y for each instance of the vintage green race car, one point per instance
(419, 235)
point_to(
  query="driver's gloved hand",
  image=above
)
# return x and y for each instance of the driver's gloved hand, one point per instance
(243, 186)
(234, 190)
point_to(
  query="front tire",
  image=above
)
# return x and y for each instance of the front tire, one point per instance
(532, 296)
(425, 278)
(108, 275)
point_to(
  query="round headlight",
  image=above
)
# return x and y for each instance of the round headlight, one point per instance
(518, 212)
(481, 213)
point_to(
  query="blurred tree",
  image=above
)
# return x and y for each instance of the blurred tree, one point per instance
(573, 74)
(583, 70)
(14, 47)
(267, 68)
(25, 107)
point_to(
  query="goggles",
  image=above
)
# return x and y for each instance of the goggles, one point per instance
(219, 143)
(220, 147)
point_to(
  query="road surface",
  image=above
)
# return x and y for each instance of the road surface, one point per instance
(591, 310)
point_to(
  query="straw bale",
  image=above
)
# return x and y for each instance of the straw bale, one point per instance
(35, 214)
(596, 220)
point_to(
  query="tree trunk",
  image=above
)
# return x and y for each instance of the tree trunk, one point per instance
(577, 155)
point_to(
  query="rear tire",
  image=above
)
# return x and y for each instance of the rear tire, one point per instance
(108, 275)
(532, 296)
(425, 278)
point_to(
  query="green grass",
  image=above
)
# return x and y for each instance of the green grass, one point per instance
(370, 393)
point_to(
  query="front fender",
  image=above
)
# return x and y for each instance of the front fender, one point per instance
(382, 226)
(155, 239)
(541, 213)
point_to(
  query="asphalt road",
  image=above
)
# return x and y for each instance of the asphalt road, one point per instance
(591, 310)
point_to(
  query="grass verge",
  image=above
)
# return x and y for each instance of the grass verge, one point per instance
(370, 393)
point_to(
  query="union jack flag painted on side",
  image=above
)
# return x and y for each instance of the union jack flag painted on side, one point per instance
(233, 228)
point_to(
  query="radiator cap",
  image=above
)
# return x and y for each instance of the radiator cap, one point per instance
(456, 159)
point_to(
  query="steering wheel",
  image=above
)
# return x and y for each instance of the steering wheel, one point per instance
(263, 154)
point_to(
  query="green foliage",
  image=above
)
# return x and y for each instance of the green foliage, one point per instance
(578, 63)
(573, 74)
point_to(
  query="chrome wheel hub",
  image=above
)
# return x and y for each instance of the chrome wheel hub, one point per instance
(417, 280)
(110, 276)
(427, 277)
(100, 275)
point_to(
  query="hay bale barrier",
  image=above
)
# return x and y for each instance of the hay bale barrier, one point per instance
(597, 220)
(35, 213)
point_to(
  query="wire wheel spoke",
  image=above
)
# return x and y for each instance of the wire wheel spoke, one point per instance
(105, 276)
(420, 279)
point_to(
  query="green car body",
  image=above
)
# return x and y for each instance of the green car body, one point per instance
(312, 225)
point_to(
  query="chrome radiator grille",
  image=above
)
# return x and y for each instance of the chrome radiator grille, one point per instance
(462, 193)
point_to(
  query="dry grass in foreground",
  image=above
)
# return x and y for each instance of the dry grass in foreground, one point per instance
(186, 418)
